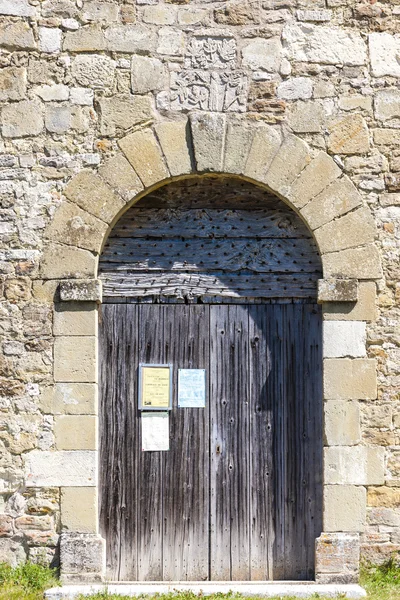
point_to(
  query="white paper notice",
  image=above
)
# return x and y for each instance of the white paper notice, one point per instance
(191, 388)
(155, 431)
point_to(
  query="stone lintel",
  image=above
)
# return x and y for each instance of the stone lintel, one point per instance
(337, 290)
(81, 290)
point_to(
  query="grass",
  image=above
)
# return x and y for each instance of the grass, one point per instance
(28, 582)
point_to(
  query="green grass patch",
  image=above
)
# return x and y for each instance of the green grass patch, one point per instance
(25, 582)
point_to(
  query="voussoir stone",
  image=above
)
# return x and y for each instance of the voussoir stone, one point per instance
(314, 179)
(60, 262)
(143, 152)
(174, 139)
(354, 229)
(76, 227)
(348, 135)
(325, 45)
(266, 143)
(119, 174)
(121, 112)
(292, 157)
(89, 191)
(239, 138)
(208, 131)
(337, 199)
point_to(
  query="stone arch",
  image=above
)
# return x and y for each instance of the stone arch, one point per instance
(313, 185)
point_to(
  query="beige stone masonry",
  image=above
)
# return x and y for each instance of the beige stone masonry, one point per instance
(290, 160)
(79, 510)
(341, 423)
(362, 310)
(239, 138)
(173, 138)
(119, 174)
(350, 379)
(76, 227)
(337, 558)
(344, 338)
(143, 152)
(337, 199)
(337, 290)
(75, 359)
(75, 318)
(344, 508)
(208, 131)
(89, 191)
(360, 465)
(63, 468)
(321, 172)
(354, 229)
(361, 263)
(69, 399)
(59, 262)
(75, 432)
(266, 143)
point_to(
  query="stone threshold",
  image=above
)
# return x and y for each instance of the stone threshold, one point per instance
(265, 589)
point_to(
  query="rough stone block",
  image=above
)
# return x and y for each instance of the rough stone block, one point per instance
(93, 71)
(86, 39)
(60, 262)
(75, 318)
(354, 229)
(85, 290)
(58, 119)
(12, 552)
(130, 38)
(208, 131)
(53, 93)
(337, 290)
(337, 554)
(79, 509)
(307, 117)
(192, 15)
(318, 16)
(12, 83)
(337, 199)
(17, 36)
(22, 119)
(360, 263)
(354, 465)
(348, 135)
(119, 174)
(50, 39)
(75, 432)
(341, 423)
(344, 508)
(81, 96)
(289, 161)
(90, 192)
(265, 54)
(75, 359)
(344, 338)
(144, 154)
(325, 45)
(82, 552)
(384, 497)
(61, 469)
(384, 51)
(75, 227)
(69, 399)
(295, 88)
(321, 172)
(265, 145)
(160, 14)
(387, 104)
(388, 517)
(171, 42)
(121, 112)
(346, 379)
(356, 101)
(174, 138)
(148, 75)
(238, 13)
(17, 8)
(100, 12)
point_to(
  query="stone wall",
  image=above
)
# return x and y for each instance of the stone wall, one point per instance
(78, 76)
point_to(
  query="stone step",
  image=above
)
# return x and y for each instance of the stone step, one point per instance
(265, 589)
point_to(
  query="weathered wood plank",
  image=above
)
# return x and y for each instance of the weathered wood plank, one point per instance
(192, 285)
(158, 223)
(265, 256)
(230, 541)
(186, 466)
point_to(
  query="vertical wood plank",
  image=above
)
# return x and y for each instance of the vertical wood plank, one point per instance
(149, 470)
(230, 552)
(186, 466)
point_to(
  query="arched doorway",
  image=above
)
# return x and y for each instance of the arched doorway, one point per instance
(212, 273)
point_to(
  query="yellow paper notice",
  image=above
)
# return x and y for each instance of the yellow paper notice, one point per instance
(156, 387)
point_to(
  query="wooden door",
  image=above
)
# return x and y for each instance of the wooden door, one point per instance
(238, 495)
